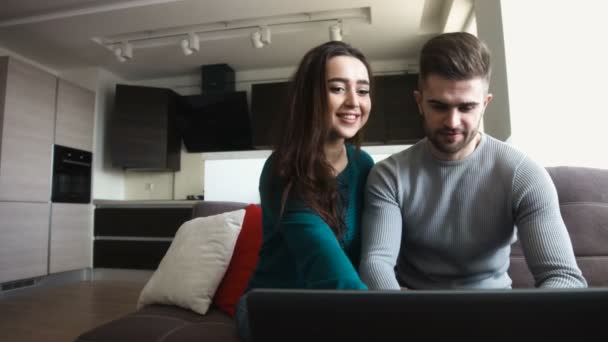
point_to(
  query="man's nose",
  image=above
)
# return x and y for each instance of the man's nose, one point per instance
(452, 119)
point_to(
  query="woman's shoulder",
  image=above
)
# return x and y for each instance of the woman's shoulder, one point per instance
(360, 158)
(267, 175)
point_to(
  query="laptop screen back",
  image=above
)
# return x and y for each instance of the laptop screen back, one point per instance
(486, 315)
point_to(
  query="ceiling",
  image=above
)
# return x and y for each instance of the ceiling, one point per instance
(59, 34)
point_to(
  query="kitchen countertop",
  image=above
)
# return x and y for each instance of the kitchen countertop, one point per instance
(100, 203)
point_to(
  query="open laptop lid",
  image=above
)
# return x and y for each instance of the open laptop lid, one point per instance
(482, 315)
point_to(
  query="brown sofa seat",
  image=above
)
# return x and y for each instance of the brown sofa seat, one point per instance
(163, 323)
(583, 199)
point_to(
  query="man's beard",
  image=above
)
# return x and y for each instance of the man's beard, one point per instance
(437, 138)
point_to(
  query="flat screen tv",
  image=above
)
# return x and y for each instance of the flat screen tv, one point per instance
(215, 122)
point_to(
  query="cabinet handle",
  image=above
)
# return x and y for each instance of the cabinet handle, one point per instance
(76, 162)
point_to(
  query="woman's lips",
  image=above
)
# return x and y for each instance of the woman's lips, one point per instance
(348, 117)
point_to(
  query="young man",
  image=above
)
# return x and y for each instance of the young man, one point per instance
(444, 213)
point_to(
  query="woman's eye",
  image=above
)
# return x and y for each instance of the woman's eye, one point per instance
(363, 92)
(336, 89)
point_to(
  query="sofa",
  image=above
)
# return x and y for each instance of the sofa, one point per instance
(583, 196)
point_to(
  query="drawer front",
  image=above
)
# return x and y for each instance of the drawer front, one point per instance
(138, 255)
(140, 222)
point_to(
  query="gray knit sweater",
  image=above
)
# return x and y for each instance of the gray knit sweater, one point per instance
(430, 224)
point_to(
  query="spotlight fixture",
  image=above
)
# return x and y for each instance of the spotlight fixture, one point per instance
(191, 44)
(124, 52)
(256, 39)
(118, 54)
(260, 37)
(265, 34)
(335, 31)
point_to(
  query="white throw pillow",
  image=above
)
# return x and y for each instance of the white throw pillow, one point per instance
(195, 263)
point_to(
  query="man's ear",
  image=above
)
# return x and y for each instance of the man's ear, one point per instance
(487, 101)
(418, 97)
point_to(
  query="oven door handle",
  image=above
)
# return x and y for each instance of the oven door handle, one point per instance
(73, 162)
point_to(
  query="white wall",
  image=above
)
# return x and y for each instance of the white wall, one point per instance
(556, 74)
(228, 179)
(85, 77)
(6, 52)
(233, 179)
(488, 22)
(190, 179)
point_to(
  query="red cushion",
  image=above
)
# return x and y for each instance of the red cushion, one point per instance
(243, 262)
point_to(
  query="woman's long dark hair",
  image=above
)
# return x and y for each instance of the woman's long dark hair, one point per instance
(300, 161)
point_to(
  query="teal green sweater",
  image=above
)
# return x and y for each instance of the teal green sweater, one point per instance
(304, 252)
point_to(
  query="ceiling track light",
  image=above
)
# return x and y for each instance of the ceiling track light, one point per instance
(190, 44)
(265, 34)
(335, 31)
(261, 37)
(256, 39)
(124, 52)
(188, 37)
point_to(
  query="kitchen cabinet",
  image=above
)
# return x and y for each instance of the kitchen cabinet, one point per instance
(27, 121)
(75, 116)
(394, 117)
(24, 236)
(71, 237)
(129, 235)
(394, 102)
(143, 129)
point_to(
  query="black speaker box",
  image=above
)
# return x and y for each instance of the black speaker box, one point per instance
(217, 79)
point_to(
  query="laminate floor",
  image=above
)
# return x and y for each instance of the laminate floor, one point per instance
(61, 313)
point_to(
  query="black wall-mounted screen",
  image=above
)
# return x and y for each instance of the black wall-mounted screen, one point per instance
(268, 103)
(394, 103)
(215, 122)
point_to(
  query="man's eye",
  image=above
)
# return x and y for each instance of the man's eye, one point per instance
(363, 92)
(439, 107)
(466, 109)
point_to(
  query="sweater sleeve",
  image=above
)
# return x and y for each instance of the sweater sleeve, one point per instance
(541, 229)
(381, 229)
(320, 260)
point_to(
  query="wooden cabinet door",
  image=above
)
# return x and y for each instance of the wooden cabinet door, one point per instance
(28, 122)
(71, 237)
(75, 116)
(24, 236)
(142, 130)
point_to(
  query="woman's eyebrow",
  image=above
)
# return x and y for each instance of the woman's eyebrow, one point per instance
(345, 80)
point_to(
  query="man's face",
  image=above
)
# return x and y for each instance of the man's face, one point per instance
(452, 111)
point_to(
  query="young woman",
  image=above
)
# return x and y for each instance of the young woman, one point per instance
(311, 187)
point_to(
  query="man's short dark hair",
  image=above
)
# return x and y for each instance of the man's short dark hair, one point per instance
(455, 56)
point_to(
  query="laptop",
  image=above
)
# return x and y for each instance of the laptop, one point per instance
(442, 315)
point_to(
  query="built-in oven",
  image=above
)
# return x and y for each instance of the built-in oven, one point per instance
(71, 175)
